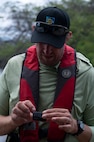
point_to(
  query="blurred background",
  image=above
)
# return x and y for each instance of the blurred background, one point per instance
(17, 17)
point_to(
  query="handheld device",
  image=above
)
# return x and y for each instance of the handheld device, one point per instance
(38, 116)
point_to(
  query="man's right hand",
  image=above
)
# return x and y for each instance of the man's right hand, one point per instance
(22, 112)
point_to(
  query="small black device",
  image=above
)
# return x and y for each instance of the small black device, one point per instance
(38, 116)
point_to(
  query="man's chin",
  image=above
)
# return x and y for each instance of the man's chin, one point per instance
(49, 63)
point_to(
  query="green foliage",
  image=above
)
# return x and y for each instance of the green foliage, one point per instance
(7, 50)
(82, 26)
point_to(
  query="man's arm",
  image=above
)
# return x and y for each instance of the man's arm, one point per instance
(22, 113)
(6, 125)
(86, 135)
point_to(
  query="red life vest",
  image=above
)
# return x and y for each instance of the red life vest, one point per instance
(64, 94)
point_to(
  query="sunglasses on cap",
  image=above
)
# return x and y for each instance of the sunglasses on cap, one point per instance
(57, 30)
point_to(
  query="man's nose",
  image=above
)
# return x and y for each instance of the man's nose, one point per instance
(47, 49)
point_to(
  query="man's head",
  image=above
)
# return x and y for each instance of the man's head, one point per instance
(52, 26)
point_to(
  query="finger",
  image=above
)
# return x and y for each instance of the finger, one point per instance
(21, 106)
(21, 117)
(25, 106)
(30, 105)
(20, 113)
(56, 115)
(66, 128)
(62, 110)
(61, 120)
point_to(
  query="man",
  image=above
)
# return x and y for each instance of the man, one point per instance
(47, 94)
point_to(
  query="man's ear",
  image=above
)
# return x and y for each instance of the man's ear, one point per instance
(68, 36)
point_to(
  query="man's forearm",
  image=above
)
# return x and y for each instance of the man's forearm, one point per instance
(6, 125)
(86, 135)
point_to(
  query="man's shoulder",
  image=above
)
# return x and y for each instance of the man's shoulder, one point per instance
(17, 58)
(82, 57)
(83, 63)
(14, 64)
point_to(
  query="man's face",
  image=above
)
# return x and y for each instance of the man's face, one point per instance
(48, 54)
